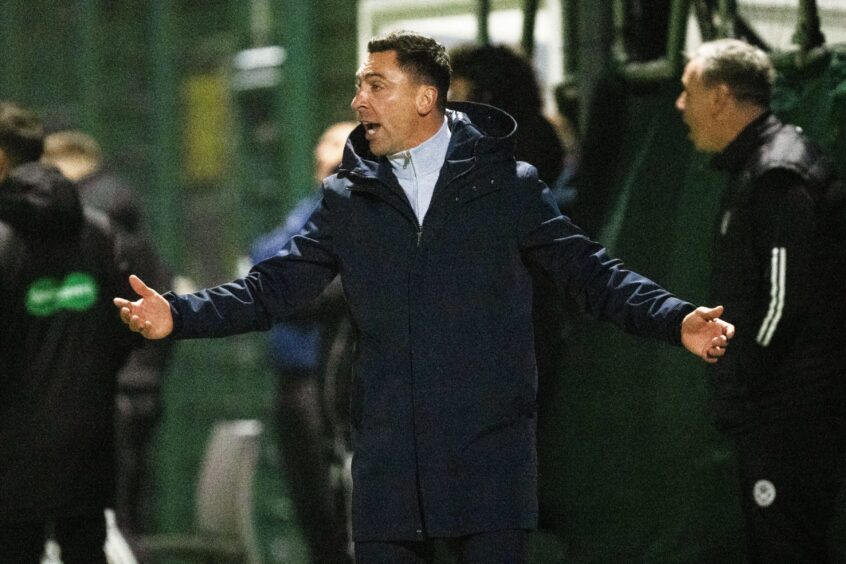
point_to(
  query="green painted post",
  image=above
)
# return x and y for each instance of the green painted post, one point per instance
(808, 34)
(11, 27)
(677, 34)
(728, 15)
(166, 212)
(530, 12)
(570, 29)
(88, 72)
(483, 11)
(298, 100)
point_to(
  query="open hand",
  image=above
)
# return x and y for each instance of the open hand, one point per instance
(705, 334)
(149, 315)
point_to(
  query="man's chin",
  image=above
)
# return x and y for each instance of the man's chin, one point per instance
(376, 150)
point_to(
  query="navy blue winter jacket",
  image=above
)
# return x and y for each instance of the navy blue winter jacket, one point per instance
(443, 398)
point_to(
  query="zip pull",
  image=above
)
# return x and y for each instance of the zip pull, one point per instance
(419, 235)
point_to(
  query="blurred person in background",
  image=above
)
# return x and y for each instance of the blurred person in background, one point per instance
(79, 158)
(780, 265)
(501, 77)
(299, 350)
(60, 351)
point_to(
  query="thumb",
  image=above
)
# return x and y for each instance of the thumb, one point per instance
(140, 288)
(711, 313)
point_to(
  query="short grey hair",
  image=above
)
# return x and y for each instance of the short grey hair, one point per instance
(745, 69)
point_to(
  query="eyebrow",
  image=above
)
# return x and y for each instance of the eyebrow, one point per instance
(369, 75)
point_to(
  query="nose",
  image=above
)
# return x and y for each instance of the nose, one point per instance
(357, 101)
(680, 102)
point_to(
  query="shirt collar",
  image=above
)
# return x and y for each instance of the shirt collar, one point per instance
(426, 157)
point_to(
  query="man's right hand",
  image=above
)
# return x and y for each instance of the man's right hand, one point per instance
(150, 315)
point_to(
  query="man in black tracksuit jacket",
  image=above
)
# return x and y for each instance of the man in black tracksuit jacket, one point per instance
(780, 267)
(60, 350)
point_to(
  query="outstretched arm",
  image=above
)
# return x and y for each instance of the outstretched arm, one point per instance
(150, 315)
(706, 335)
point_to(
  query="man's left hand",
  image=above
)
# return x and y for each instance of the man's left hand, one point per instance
(706, 335)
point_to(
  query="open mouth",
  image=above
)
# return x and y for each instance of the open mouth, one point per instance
(370, 129)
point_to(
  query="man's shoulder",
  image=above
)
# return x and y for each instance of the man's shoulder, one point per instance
(338, 186)
(789, 149)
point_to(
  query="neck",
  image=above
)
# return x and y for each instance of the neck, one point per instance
(429, 125)
(739, 120)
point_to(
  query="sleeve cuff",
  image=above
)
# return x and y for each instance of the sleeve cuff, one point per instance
(174, 312)
(676, 319)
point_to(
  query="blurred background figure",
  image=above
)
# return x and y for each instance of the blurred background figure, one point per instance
(79, 158)
(307, 353)
(499, 76)
(60, 350)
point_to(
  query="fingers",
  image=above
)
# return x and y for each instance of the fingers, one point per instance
(137, 324)
(710, 313)
(140, 288)
(132, 320)
(716, 350)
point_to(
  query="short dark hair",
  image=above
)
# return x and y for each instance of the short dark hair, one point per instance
(419, 55)
(21, 133)
(744, 68)
(499, 76)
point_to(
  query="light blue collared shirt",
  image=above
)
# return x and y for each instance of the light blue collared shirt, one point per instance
(417, 169)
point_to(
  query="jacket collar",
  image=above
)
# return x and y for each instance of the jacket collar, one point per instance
(478, 132)
(734, 156)
(425, 158)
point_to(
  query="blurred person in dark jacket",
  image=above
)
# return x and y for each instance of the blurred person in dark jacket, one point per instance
(780, 265)
(501, 77)
(60, 352)
(79, 158)
(432, 226)
(299, 350)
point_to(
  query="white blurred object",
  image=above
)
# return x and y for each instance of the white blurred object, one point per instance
(52, 553)
(182, 285)
(116, 548)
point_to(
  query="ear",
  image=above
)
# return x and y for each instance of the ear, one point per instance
(427, 99)
(721, 97)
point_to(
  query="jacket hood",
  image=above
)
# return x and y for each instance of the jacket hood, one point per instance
(40, 202)
(478, 131)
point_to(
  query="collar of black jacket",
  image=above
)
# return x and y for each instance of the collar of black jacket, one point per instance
(478, 131)
(733, 157)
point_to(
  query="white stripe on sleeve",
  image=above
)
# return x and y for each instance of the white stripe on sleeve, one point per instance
(777, 288)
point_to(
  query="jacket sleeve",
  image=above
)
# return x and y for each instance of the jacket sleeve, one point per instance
(783, 227)
(607, 290)
(273, 289)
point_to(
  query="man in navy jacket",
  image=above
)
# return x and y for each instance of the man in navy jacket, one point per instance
(432, 226)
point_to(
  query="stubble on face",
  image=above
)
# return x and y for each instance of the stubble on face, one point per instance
(694, 105)
(385, 104)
